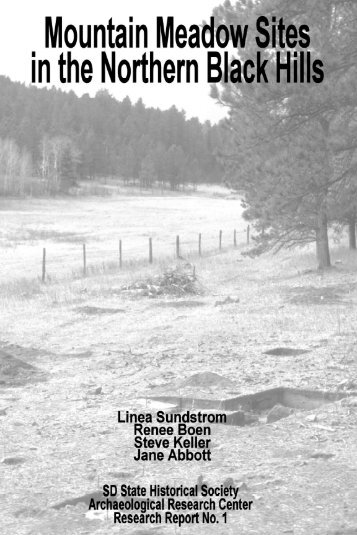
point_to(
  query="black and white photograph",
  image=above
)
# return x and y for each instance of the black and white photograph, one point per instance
(178, 267)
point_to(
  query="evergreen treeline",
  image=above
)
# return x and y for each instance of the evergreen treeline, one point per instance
(292, 148)
(59, 138)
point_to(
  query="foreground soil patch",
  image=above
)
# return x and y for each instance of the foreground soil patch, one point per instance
(312, 295)
(207, 379)
(180, 304)
(265, 405)
(17, 372)
(286, 352)
(97, 311)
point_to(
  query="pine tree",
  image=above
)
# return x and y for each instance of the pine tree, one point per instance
(287, 140)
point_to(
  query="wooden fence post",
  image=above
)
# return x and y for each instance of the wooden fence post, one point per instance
(177, 246)
(235, 238)
(200, 244)
(120, 255)
(150, 250)
(84, 260)
(44, 265)
(248, 234)
(220, 240)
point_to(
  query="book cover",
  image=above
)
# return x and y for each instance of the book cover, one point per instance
(178, 267)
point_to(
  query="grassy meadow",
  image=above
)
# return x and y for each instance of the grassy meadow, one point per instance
(63, 225)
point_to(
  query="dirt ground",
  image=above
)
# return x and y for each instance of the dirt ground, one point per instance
(73, 354)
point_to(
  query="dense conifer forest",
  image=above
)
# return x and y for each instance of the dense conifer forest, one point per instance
(50, 139)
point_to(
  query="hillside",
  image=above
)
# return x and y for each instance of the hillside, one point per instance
(60, 138)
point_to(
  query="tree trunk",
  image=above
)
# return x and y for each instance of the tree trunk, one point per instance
(322, 245)
(352, 232)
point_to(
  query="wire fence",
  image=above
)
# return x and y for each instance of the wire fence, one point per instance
(86, 259)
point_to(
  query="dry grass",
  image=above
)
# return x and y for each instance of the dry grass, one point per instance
(62, 225)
